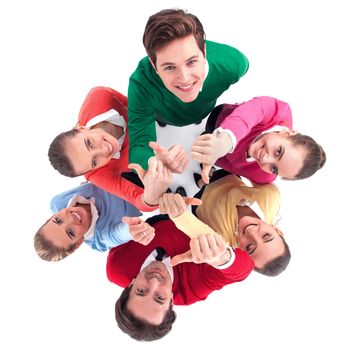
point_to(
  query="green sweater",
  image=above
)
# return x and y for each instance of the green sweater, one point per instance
(149, 99)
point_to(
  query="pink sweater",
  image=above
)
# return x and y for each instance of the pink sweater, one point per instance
(247, 121)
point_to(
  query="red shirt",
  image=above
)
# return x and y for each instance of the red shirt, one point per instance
(192, 282)
(100, 100)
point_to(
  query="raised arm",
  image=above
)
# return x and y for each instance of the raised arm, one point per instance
(141, 125)
(175, 206)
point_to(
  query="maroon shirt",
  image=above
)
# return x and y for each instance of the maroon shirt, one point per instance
(192, 282)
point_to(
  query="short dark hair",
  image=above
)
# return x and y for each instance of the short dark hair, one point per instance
(46, 250)
(140, 329)
(57, 154)
(315, 155)
(168, 25)
(276, 266)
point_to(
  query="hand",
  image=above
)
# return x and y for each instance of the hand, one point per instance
(174, 204)
(156, 180)
(208, 148)
(207, 248)
(175, 158)
(140, 231)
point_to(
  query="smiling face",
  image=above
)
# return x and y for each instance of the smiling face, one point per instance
(68, 226)
(181, 66)
(276, 154)
(90, 149)
(263, 242)
(151, 293)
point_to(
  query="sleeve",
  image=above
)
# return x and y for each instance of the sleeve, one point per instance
(110, 180)
(141, 125)
(238, 271)
(239, 64)
(258, 111)
(191, 225)
(100, 100)
(111, 237)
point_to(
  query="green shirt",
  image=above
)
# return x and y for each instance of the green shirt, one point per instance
(149, 99)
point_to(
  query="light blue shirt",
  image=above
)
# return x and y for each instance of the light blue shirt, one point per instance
(110, 231)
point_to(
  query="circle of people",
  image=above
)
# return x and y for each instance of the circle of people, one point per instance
(180, 256)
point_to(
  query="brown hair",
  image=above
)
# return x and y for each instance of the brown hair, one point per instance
(315, 155)
(46, 250)
(168, 25)
(57, 154)
(277, 265)
(140, 329)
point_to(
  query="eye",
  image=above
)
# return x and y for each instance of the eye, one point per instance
(274, 170)
(58, 220)
(266, 236)
(169, 68)
(70, 233)
(141, 291)
(249, 248)
(94, 163)
(191, 62)
(89, 144)
(160, 298)
(278, 151)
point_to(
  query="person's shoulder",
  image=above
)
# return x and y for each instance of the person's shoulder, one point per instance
(143, 68)
(220, 47)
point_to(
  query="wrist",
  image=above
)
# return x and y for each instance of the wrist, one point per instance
(226, 260)
(149, 202)
(225, 142)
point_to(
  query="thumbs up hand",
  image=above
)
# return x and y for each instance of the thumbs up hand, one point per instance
(207, 248)
(175, 158)
(208, 148)
(175, 205)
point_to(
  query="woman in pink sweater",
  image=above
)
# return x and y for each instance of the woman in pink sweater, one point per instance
(255, 139)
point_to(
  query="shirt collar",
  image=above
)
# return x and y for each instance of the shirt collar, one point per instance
(166, 262)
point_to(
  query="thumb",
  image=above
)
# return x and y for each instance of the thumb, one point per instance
(131, 220)
(205, 172)
(140, 172)
(156, 147)
(192, 201)
(181, 258)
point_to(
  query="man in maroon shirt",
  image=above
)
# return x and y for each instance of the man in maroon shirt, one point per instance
(153, 283)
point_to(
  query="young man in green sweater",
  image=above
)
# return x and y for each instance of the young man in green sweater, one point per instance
(177, 84)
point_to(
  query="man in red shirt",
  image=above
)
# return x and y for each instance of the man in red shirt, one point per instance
(145, 307)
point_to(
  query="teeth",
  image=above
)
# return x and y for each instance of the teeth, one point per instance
(185, 87)
(77, 216)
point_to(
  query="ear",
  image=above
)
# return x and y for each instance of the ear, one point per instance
(80, 127)
(278, 230)
(81, 240)
(287, 132)
(154, 67)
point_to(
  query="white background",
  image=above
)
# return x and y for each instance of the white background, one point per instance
(53, 52)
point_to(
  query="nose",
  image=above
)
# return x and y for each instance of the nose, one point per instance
(183, 76)
(266, 158)
(103, 149)
(153, 282)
